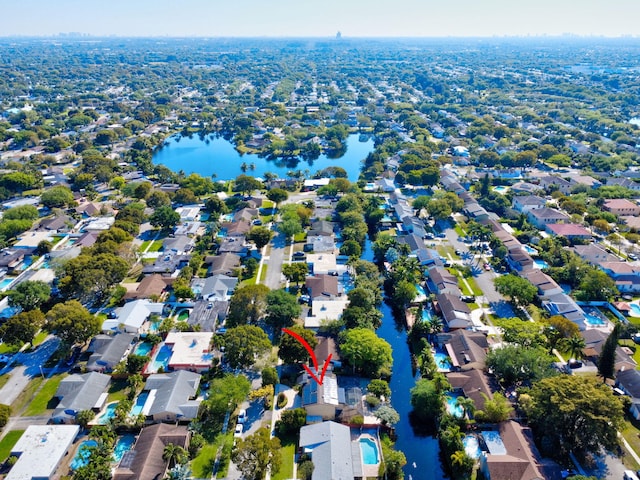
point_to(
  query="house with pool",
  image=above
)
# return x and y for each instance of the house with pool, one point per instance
(340, 452)
(189, 351)
(131, 317)
(170, 397)
(108, 350)
(80, 392)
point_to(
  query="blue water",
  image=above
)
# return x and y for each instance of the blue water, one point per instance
(501, 189)
(452, 407)
(442, 361)
(635, 308)
(220, 157)
(471, 446)
(139, 405)
(143, 348)
(123, 445)
(26, 263)
(593, 319)
(369, 451)
(540, 263)
(9, 312)
(4, 284)
(530, 250)
(82, 455)
(420, 290)
(161, 359)
(44, 264)
(108, 414)
(427, 316)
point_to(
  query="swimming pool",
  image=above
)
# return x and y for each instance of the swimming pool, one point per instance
(123, 445)
(138, 407)
(501, 189)
(426, 315)
(530, 250)
(540, 263)
(369, 451)
(635, 308)
(161, 359)
(420, 290)
(442, 361)
(471, 446)
(82, 455)
(594, 319)
(143, 348)
(452, 406)
(108, 414)
(4, 284)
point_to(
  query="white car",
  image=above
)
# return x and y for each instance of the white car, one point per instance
(242, 416)
(238, 432)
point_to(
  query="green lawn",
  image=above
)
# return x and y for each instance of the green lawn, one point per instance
(26, 395)
(287, 452)
(6, 348)
(7, 443)
(476, 290)
(117, 390)
(636, 351)
(4, 379)
(459, 231)
(42, 401)
(263, 273)
(202, 465)
(300, 237)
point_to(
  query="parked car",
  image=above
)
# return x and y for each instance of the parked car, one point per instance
(487, 267)
(238, 431)
(632, 256)
(242, 416)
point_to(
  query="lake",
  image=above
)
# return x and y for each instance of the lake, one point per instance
(215, 155)
(422, 452)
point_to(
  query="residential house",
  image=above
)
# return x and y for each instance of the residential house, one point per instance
(330, 448)
(12, 259)
(524, 187)
(40, 450)
(571, 231)
(150, 286)
(428, 257)
(414, 225)
(240, 228)
(414, 242)
(188, 229)
(234, 244)
(172, 396)
(440, 280)
(323, 286)
(131, 317)
(80, 392)
(322, 263)
(327, 346)
(624, 182)
(553, 181)
(99, 224)
(31, 239)
(321, 228)
(628, 381)
(322, 401)
(519, 261)
(108, 350)
(625, 275)
(466, 349)
(89, 209)
(455, 312)
(223, 264)
(59, 224)
(167, 264)
(541, 217)
(87, 239)
(526, 203)
(473, 384)
(594, 341)
(621, 206)
(314, 184)
(146, 460)
(190, 350)
(246, 215)
(320, 244)
(585, 180)
(217, 287)
(511, 454)
(562, 304)
(544, 283)
(594, 254)
(188, 213)
(325, 311)
(179, 244)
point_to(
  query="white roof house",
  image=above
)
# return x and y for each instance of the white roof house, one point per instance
(322, 262)
(132, 316)
(325, 310)
(40, 450)
(190, 350)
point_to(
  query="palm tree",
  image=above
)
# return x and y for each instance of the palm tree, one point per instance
(576, 345)
(458, 458)
(174, 454)
(468, 406)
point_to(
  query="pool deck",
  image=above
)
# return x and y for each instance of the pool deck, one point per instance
(368, 471)
(631, 312)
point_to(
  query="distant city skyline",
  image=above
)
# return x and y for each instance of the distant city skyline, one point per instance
(303, 18)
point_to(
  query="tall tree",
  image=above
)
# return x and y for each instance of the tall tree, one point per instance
(29, 295)
(366, 352)
(244, 344)
(291, 351)
(256, 454)
(521, 290)
(282, 309)
(261, 236)
(295, 272)
(72, 323)
(607, 358)
(247, 305)
(22, 327)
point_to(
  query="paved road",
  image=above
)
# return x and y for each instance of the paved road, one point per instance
(21, 423)
(273, 280)
(29, 366)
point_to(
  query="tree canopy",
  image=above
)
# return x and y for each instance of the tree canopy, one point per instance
(247, 305)
(366, 352)
(243, 344)
(257, 453)
(72, 323)
(291, 351)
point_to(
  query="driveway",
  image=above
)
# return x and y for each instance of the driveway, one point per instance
(273, 280)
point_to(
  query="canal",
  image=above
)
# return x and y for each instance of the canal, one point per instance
(422, 452)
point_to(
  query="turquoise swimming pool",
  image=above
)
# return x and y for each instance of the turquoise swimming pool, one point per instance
(161, 359)
(82, 455)
(369, 451)
(143, 348)
(452, 406)
(442, 361)
(472, 446)
(139, 405)
(123, 445)
(108, 414)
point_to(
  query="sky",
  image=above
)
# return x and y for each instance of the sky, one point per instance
(306, 18)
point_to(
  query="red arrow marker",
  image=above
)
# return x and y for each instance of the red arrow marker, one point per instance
(308, 348)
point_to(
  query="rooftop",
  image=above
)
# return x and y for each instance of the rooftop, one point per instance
(189, 349)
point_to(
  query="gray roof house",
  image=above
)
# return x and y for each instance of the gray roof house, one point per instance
(329, 446)
(178, 244)
(218, 287)
(320, 244)
(80, 392)
(455, 312)
(171, 396)
(107, 351)
(322, 401)
(544, 216)
(132, 316)
(628, 381)
(225, 263)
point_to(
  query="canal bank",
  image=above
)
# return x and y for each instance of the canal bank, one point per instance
(422, 452)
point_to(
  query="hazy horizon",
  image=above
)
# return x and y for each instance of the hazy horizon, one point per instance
(354, 18)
